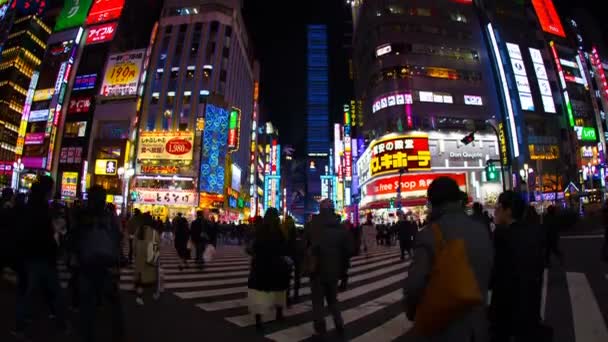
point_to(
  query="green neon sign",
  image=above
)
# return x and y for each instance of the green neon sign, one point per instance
(73, 14)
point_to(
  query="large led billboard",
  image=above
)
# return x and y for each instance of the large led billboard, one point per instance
(122, 73)
(214, 150)
(521, 77)
(547, 15)
(73, 14)
(105, 10)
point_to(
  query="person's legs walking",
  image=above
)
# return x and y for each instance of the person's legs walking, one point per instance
(402, 247)
(318, 310)
(331, 295)
(113, 294)
(55, 294)
(88, 304)
(130, 250)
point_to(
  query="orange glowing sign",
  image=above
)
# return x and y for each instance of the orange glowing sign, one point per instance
(547, 15)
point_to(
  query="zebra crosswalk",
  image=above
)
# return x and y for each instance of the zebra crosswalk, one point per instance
(371, 306)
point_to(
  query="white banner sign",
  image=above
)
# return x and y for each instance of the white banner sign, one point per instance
(165, 197)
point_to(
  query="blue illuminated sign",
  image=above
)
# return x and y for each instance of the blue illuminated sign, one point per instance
(214, 150)
(83, 82)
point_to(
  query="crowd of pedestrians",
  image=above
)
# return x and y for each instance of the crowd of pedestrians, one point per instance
(500, 261)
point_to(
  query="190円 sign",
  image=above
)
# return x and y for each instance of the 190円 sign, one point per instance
(409, 152)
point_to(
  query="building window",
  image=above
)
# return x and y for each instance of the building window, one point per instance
(183, 28)
(75, 129)
(168, 29)
(154, 99)
(226, 52)
(198, 27)
(228, 31)
(223, 75)
(215, 25)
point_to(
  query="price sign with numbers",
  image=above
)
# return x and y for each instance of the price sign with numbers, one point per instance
(122, 74)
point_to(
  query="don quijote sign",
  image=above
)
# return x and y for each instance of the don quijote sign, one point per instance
(165, 145)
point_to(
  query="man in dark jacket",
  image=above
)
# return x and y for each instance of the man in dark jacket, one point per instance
(518, 272)
(406, 230)
(196, 236)
(331, 244)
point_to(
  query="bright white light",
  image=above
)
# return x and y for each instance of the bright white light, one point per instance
(503, 80)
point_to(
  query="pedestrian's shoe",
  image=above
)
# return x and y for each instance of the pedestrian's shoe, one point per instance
(139, 301)
(156, 296)
(280, 316)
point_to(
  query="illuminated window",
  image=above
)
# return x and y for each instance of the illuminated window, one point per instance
(75, 129)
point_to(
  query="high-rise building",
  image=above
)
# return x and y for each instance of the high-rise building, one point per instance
(317, 115)
(425, 80)
(22, 55)
(201, 72)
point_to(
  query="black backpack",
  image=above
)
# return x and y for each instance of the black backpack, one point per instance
(98, 245)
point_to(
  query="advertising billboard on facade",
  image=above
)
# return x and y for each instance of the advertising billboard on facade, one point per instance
(164, 196)
(104, 10)
(548, 17)
(412, 185)
(234, 129)
(122, 73)
(407, 152)
(521, 77)
(165, 145)
(69, 184)
(73, 14)
(101, 33)
(214, 150)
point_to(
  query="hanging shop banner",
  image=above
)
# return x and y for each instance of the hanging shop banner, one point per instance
(165, 145)
(101, 33)
(548, 17)
(159, 169)
(234, 129)
(80, 104)
(164, 196)
(73, 14)
(106, 167)
(69, 184)
(412, 185)
(43, 94)
(407, 152)
(122, 73)
(105, 10)
(34, 138)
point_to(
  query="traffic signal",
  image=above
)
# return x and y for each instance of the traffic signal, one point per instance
(392, 203)
(469, 138)
(491, 173)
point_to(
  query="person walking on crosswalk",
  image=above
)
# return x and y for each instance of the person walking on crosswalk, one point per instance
(450, 222)
(269, 274)
(329, 245)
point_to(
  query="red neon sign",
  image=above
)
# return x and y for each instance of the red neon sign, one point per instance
(105, 10)
(547, 15)
(79, 105)
(411, 184)
(101, 33)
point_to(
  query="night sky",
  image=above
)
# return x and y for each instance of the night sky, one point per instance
(279, 37)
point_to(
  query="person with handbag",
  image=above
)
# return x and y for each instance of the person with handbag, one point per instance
(447, 284)
(329, 245)
(97, 240)
(147, 242)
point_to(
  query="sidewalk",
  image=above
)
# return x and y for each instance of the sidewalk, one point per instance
(169, 319)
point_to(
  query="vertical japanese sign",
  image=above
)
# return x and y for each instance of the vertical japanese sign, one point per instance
(234, 129)
(73, 14)
(548, 17)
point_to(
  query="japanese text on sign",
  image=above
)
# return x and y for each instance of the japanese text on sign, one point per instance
(165, 196)
(410, 153)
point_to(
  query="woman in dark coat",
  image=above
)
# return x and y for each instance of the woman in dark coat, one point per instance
(269, 275)
(182, 235)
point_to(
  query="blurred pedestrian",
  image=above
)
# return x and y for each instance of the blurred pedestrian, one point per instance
(147, 240)
(38, 248)
(552, 224)
(96, 239)
(450, 222)
(406, 230)
(182, 236)
(196, 236)
(269, 274)
(518, 271)
(132, 225)
(329, 245)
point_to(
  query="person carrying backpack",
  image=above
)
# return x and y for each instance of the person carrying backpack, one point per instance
(97, 240)
(452, 308)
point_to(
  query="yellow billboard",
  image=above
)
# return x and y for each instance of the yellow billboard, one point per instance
(122, 73)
